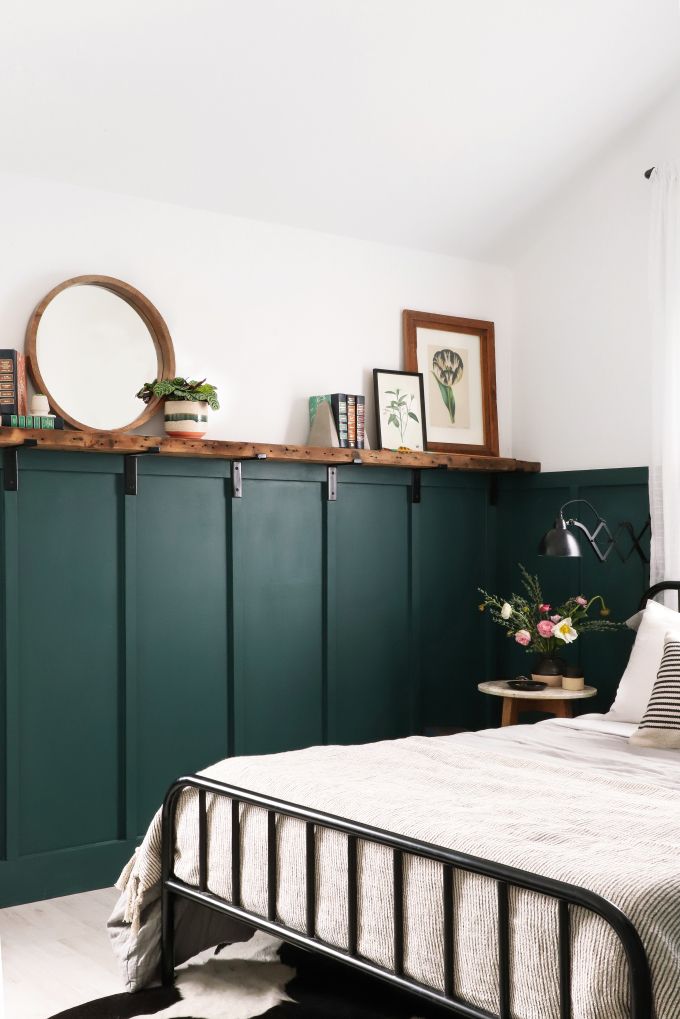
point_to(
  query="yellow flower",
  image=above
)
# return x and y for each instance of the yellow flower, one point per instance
(481, 606)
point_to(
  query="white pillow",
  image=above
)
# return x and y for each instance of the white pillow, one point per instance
(660, 726)
(638, 680)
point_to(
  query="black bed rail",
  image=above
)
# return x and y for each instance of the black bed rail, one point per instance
(566, 895)
(660, 588)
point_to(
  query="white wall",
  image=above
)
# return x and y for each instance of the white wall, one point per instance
(581, 373)
(270, 314)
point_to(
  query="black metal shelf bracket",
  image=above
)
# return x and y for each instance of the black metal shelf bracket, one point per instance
(332, 484)
(415, 485)
(130, 461)
(10, 464)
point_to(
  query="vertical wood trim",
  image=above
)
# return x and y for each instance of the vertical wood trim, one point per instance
(415, 687)
(329, 698)
(129, 709)
(10, 540)
(488, 712)
(236, 722)
(230, 678)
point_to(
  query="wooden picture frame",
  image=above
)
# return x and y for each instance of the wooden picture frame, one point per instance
(474, 363)
(402, 425)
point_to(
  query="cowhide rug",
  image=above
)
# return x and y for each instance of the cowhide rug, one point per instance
(263, 978)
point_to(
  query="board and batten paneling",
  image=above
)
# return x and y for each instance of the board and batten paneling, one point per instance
(178, 677)
(455, 522)
(278, 584)
(370, 695)
(147, 636)
(68, 660)
(525, 512)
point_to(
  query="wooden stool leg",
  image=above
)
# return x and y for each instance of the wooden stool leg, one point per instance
(560, 709)
(510, 711)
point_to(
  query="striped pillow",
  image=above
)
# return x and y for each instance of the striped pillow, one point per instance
(660, 725)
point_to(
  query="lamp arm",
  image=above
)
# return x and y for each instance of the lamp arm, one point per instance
(602, 556)
(571, 503)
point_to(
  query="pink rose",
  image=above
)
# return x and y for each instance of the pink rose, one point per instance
(523, 637)
(580, 600)
(555, 619)
(544, 608)
(545, 628)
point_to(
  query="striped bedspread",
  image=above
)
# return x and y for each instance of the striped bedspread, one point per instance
(568, 800)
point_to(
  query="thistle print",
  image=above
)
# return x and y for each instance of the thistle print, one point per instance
(447, 368)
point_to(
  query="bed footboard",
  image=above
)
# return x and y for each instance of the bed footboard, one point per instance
(565, 895)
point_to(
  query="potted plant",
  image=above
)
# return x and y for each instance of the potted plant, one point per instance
(186, 405)
(544, 629)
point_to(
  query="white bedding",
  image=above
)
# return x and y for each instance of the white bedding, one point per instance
(566, 799)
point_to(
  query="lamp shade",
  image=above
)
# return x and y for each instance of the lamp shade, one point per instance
(559, 541)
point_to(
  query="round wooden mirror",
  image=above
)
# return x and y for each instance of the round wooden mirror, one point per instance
(91, 344)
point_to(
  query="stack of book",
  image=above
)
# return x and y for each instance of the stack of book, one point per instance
(348, 414)
(13, 396)
(47, 421)
(12, 382)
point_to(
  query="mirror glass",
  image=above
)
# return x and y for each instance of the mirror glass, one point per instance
(94, 352)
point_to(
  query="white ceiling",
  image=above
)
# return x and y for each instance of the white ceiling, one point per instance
(436, 124)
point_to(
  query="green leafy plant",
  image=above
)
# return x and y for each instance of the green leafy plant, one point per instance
(538, 626)
(180, 389)
(447, 368)
(399, 411)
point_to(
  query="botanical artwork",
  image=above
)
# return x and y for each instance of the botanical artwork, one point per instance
(399, 410)
(457, 360)
(448, 387)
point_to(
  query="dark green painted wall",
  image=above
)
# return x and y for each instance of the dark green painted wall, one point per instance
(148, 636)
(525, 511)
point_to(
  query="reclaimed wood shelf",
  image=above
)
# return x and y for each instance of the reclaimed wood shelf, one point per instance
(122, 443)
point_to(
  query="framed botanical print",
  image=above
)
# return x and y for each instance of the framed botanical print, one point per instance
(399, 409)
(456, 357)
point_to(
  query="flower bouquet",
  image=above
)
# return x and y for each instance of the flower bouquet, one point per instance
(540, 627)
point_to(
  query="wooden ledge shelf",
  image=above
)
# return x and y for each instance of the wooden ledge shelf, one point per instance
(119, 442)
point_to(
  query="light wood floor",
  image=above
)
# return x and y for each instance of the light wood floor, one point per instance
(56, 954)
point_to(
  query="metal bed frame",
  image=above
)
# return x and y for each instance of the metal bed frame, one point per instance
(567, 896)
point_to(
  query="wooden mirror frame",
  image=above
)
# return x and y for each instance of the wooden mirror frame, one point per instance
(153, 320)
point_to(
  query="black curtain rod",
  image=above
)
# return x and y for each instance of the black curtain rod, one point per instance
(649, 172)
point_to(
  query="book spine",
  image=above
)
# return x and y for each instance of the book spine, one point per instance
(9, 387)
(22, 398)
(352, 421)
(361, 420)
(339, 405)
(31, 421)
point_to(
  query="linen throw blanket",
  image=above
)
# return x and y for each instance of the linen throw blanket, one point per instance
(553, 798)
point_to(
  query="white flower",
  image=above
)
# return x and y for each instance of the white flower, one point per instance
(565, 631)
(506, 611)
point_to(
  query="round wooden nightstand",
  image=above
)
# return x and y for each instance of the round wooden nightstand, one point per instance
(553, 700)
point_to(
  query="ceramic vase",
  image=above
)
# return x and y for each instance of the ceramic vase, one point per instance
(186, 419)
(40, 406)
(548, 670)
(573, 678)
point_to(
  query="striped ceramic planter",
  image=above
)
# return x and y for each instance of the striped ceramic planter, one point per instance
(186, 419)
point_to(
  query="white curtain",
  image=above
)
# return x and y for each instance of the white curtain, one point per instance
(664, 475)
